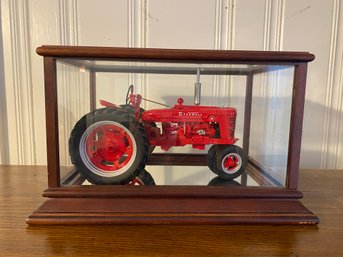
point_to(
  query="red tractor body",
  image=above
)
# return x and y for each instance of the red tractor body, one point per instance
(190, 125)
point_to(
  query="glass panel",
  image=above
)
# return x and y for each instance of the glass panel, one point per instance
(270, 122)
(73, 95)
(154, 128)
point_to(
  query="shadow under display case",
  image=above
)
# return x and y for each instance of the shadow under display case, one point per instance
(173, 136)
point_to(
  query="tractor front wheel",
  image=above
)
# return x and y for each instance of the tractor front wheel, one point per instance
(227, 161)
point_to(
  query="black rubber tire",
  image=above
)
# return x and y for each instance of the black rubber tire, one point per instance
(210, 157)
(221, 151)
(218, 181)
(144, 179)
(128, 108)
(136, 132)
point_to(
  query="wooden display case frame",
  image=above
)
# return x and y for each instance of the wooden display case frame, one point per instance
(71, 203)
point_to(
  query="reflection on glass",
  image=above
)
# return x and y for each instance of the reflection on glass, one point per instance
(218, 181)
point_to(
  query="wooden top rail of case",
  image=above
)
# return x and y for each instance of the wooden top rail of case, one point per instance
(175, 55)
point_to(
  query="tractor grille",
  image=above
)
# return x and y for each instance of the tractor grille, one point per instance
(232, 126)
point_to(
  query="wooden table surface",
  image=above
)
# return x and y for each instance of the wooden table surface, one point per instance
(20, 194)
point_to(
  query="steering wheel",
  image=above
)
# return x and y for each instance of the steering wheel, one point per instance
(129, 91)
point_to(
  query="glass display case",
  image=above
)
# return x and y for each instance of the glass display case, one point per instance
(173, 136)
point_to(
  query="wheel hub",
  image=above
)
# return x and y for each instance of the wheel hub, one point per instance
(111, 146)
(231, 163)
(108, 147)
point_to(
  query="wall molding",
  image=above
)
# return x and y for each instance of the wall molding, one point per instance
(137, 23)
(137, 32)
(4, 144)
(274, 15)
(18, 83)
(339, 144)
(218, 34)
(68, 28)
(224, 38)
(68, 22)
(332, 146)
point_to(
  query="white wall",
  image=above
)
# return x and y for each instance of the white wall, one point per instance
(306, 25)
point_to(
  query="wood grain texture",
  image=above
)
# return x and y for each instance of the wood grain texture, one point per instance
(181, 55)
(51, 120)
(20, 194)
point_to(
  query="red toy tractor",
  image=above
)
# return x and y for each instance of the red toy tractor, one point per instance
(111, 145)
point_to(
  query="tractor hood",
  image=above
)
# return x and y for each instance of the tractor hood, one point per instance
(188, 113)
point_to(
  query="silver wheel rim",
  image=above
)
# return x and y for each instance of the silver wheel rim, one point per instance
(239, 163)
(87, 162)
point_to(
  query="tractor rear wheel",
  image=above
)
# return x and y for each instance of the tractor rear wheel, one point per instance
(108, 146)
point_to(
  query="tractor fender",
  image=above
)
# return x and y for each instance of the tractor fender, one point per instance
(109, 105)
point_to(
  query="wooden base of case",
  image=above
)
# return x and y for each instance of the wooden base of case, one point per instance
(80, 207)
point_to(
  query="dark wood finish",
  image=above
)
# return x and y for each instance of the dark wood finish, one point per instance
(296, 123)
(140, 210)
(180, 55)
(51, 114)
(322, 193)
(178, 192)
(171, 205)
